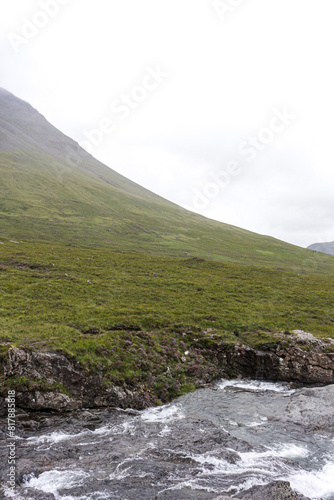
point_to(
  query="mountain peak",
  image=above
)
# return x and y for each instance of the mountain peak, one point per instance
(53, 190)
(325, 247)
(5, 95)
(4, 92)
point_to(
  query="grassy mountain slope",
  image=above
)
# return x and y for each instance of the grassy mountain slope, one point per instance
(52, 190)
(126, 282)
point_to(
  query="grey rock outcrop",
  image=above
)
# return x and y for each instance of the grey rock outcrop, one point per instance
(313, 409)
(59, 383)
(279, 490)
(55, 381)
(294, 358)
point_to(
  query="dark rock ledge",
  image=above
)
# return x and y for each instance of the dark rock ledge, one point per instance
(277, 490)
(67, 385)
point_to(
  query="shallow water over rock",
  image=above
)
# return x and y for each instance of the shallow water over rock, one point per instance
(229, 440)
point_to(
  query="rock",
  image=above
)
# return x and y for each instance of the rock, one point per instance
(35, 495)
(290, 363)
(279, 490)
(21, 414)
(55, 370)
(30, 424)
(61, 383)
(3, 408)
(313, 409)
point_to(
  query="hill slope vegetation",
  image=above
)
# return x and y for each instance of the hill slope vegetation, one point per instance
(127, 283)
(52, 190)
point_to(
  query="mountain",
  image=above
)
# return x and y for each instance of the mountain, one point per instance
(109, 289)
(52, 190)
(323, 247)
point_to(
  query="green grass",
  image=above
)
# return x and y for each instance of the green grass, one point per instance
(68, 290)
(126, 281)
(91, 206)
(132, 314)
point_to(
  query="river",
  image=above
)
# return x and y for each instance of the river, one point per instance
(221, 440)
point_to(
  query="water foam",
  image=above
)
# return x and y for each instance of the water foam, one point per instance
(258, 423)
(163, 414)
(59, 436)
(256, 385)
(54, 481)
(165, 431)
(53, 437)
(267, 463)
(291, 450)
(287, 450)
(316, 484)
(193, 484)
(120, 474)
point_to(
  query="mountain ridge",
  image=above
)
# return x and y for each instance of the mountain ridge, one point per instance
(43, 136)
(44, 196)
(324, 247)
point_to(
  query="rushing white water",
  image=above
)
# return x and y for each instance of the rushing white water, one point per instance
(257, 386)
(318, 483)
(235, 436)
(163, 414)
(46, 441)
(54, 480)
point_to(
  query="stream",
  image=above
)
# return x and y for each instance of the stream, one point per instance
(221, 440)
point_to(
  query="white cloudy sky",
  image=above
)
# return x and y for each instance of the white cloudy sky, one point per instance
(229, 69)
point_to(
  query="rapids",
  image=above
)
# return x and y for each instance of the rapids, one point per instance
(221, 440)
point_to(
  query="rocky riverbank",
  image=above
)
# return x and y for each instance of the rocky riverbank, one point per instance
(55, 381)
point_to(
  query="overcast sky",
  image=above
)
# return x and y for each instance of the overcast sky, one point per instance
(222, 106)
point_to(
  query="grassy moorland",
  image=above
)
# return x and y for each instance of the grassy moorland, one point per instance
(127, 282)
(131, 314)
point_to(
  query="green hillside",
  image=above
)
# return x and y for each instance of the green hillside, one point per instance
(52, 190)
(131, 317)
(126, 282)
